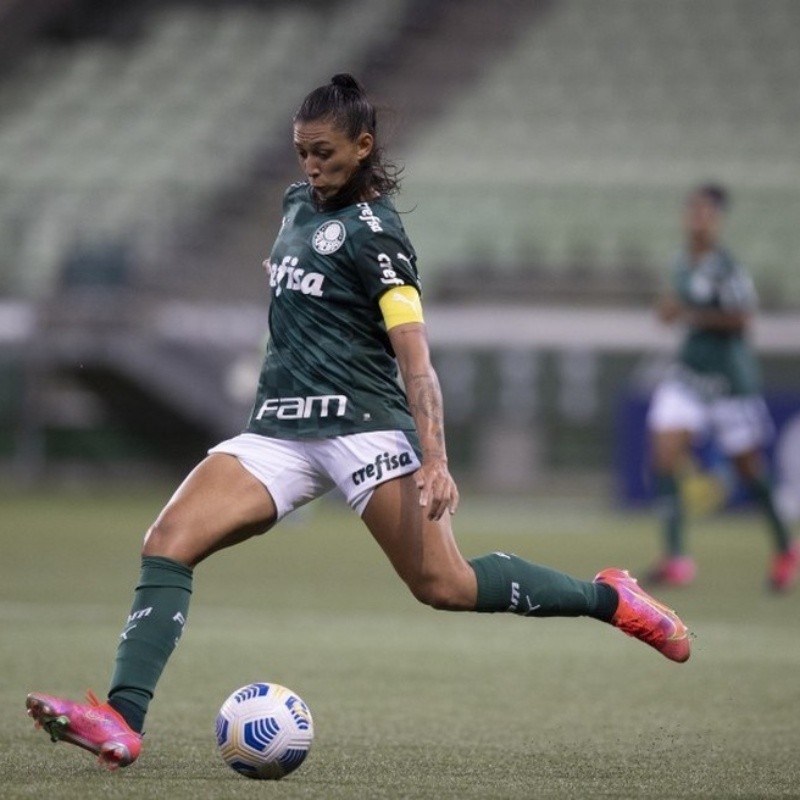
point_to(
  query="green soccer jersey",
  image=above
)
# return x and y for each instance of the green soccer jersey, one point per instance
(329, 368)
(718, 362)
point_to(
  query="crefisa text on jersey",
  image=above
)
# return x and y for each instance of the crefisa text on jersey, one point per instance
(388, 275)
(368, 215)
(296, 279)
(384, 462)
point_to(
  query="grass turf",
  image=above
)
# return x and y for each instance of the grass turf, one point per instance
(407, 702)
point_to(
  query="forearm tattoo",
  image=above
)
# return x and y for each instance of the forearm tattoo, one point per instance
(425, 402)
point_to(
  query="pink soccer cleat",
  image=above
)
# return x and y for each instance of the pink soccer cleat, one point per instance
(673, 571)
(94, 726)
(643, 617)
(784, 569)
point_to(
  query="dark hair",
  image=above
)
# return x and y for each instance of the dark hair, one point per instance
(346, 104)
(715, 193)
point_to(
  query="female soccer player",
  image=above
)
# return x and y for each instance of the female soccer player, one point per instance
(345, 316)
(713, 386)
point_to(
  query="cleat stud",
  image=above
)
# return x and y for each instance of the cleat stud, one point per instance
(56, 727)
(112, 757)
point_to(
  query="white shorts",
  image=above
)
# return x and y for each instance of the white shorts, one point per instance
(296, 471)
(739, 424)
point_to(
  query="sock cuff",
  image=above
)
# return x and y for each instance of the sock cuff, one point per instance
(160, 571)
(665, 484)
(492, 583)
(606, 602)
(759, 487)
(132, 712)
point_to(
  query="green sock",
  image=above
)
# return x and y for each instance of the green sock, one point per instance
(153, 628)
(762, 492)
(508, 583)
(668, 501)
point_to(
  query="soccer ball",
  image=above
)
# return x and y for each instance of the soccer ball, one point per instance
(264, 730)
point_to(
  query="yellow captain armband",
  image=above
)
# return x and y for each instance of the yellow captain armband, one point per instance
(400, 305)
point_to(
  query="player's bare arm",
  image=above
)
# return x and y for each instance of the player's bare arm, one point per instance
(438, 492)
(668, 307)
(715, 319)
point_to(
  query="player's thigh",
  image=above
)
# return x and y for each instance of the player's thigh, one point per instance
(423, 552)
(675, 416)
(742, 426)
(750, 465)
(219, 504)
(669, 449)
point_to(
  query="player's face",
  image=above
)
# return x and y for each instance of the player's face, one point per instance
(327, 155)
(702, 219)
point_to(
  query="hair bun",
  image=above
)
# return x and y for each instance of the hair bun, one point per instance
(346, 81)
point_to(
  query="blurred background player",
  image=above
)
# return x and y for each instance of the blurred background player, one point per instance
(713, 387)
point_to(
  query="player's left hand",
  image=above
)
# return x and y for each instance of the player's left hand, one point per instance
(437, 489)
(669, 308)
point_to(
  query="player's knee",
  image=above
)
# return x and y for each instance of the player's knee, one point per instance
(664, 462)
(165, 536)
(442, 592)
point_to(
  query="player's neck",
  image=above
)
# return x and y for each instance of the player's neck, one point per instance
(699, 247)
(358, 189)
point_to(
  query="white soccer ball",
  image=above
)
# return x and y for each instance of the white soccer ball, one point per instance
(264, 730)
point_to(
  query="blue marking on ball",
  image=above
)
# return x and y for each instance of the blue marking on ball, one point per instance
(251, 691)
(221, 727)
(259, 733)
(293, 758)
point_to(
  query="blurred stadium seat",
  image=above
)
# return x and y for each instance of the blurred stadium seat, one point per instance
(572, 148)
(101, 138)
(584, 136)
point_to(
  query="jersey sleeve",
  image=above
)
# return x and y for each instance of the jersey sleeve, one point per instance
(670, 280)
(386, 260)
(737, 291)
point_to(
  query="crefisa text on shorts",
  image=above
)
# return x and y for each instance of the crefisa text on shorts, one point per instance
(384, 462)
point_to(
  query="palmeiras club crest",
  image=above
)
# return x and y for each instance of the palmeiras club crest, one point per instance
(329, 237)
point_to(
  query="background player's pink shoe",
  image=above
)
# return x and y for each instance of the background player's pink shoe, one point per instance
(784, 569)
(94, 726)
(672, 571)
(643, 617)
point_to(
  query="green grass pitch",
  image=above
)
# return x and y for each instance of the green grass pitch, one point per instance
(407, 702)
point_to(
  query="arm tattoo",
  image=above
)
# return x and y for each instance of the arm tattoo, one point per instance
(425, 401)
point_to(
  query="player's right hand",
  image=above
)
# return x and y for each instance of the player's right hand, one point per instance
(437, 489)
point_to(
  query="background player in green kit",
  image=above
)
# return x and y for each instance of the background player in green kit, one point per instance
(713, 386)
(345, 317)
